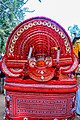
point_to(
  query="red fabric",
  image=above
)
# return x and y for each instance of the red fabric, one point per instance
(66, 81)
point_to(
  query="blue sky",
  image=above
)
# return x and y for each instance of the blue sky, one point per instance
(64, 12)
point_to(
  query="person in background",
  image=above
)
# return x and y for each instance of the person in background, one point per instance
(78, 101)
(76, 49)
(76, 46)
(2, 76)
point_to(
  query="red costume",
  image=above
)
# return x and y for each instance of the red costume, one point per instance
(37, 60)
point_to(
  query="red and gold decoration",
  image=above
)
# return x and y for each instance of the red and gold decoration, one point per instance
(37, 61)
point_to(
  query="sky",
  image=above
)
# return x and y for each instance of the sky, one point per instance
(64, 12)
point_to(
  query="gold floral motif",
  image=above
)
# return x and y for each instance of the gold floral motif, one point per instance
(67, 46)
(57, 29)
(53, 27)
(45, 23)
(12, 45)
(18, 33)
(35, 23)
(26, 27)
(68, 49)
(15, 37)
(40, 22)
(21, 30)
(30, 25)
(48, 24)
(13, 41)
(11, 50)
(61, 34)
(66, 43)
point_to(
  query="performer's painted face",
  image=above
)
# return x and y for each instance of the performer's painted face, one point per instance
(40, 62)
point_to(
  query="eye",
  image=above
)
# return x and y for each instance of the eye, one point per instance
(48, 61)
(32, 62)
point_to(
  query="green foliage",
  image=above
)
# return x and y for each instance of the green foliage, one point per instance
(12, 12)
